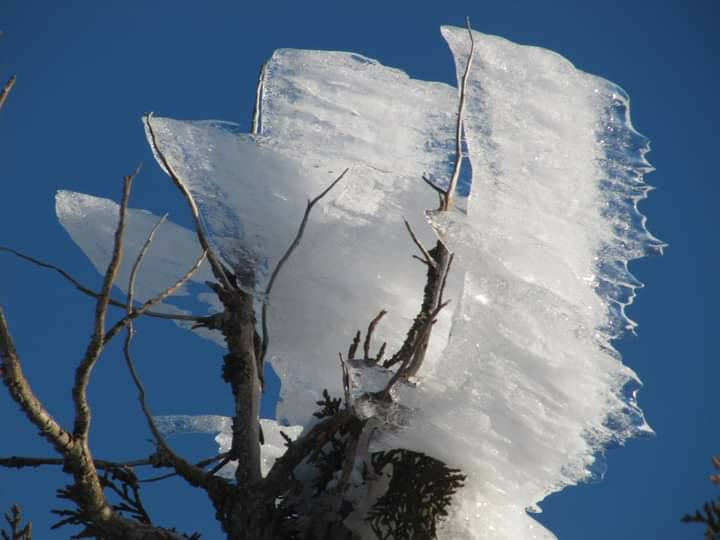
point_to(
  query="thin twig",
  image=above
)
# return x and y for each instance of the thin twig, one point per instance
(281, 263)
(82, 374)
(217, 268)
(452, 186)
(368, 335)
(89, 292)
(181, 466)
(345, 381)
(20, 462)
(445, 276)
(138, 261)
(427, 258)
(199, 464)
(142, 310)
(440, 191)
(227, 459)
(257, 111)
(402, 371)
(299, 449)
(6, 90)
(381, 353)
(353, 346)
(159, 440)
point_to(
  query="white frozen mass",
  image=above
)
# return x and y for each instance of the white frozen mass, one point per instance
(522, 388)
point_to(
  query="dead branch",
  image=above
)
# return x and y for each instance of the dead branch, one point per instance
(412, 352)
(255, 128)
(217, 268)
(178, 463)
(354, 345)
(6, 90)
(427, 259)
(89, 292)
(142, 310)
(369, 334)
(76, 454)
(294, 244)
(448, 200)
(407, 368)
(82, 374)
(345, 381)
(298, 450)
(21, 462)
(200, 464)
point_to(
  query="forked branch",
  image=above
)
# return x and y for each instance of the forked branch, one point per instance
(82, 374)
(411, 355)
(294, 244)
(89, 292)
(185, 469)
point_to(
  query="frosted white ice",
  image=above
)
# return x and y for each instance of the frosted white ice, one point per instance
(323, 112)
(91, 222)
(528, 390)
(221, 426)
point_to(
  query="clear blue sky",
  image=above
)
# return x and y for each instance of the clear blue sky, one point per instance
(86, 73)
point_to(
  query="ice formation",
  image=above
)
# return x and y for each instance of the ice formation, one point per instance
(221, 427)
(527, 389)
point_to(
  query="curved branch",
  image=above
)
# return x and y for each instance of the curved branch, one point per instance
(182, 467)
(6, 90)
(142, 310)
(82, 374)
(283, 260)
(452, 186)
(89, 292)
(217, 268)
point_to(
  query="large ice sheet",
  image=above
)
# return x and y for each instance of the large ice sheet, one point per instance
(529, 389)
(323, 112)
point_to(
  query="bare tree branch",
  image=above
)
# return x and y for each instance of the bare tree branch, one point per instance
(452, 186)
(345, 381)
(299, 449)
(412, 353)
(21, 462)
(76, 454)
(217, 268)
(135, 313)
(369, 334)
(257, 112)
(175, 460)
(407, 368)
(440, 192)
(82, 374)
(89, 292)
(6, 90)
(281, 263)
(427, 259)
